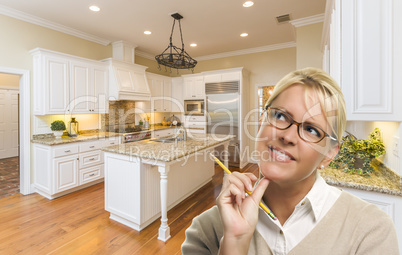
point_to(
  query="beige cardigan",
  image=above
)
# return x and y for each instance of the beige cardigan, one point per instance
(351, 226)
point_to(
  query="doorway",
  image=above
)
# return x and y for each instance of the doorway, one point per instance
(9, 135)
(22, 110)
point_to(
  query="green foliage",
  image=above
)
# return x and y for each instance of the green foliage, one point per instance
(355, 155)
(58, 125)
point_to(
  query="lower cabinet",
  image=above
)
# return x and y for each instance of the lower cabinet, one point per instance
(162, 132)
(61, 169)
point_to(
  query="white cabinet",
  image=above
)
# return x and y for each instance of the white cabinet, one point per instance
(66, 173)
(364, 54)
(222, 77)
(64, 84)
(61, 169)
(177, 95)
(161, 93)
(194, 87)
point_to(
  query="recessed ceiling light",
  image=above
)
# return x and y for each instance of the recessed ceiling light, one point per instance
(248, 3)
(243, 34)
(147, 32)
(193, 45)
(94, 8)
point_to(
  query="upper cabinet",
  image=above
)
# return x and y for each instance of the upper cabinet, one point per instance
(161, 92)
(363, 52)
(222, 77)
(194, 86)
(65, 84)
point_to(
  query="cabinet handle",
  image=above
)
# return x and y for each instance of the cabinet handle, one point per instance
(67, 151)
(91, 159)
(92, 146)
(111, 143)
(92, 174)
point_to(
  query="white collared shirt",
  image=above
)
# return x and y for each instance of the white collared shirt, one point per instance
(306, 215)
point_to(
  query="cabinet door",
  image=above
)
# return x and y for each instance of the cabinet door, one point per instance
(80, 87)
(57, 89)
(199, 87)
(177, 95)
(188, 88)
(66, 173)
(99, 90)
(368, 55)
(167, 96)
(156, 94)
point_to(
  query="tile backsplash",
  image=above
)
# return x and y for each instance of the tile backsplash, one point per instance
(121, 115)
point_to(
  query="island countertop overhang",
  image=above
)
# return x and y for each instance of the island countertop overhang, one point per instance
(167, 152)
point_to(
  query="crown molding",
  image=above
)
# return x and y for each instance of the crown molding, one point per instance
(144, 54)
(248, 51)
(308, 20)
(51, 25)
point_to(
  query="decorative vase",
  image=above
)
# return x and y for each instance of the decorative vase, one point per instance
(58, 134)
(164, 122)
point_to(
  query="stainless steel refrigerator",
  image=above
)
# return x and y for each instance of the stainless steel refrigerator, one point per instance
(222, 106)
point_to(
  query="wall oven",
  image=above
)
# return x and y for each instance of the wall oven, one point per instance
(194, 107)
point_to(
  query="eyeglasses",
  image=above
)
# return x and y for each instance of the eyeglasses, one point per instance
(306, 131)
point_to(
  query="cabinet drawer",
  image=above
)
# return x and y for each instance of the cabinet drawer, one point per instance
(90, 146)
(195, 118)
(111, 142)
(65, 150)
(162, 133)
(91, 158)
(91, 174)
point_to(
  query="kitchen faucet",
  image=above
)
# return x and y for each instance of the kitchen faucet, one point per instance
(182, 131)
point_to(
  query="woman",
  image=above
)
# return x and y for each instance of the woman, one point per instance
(299, 132)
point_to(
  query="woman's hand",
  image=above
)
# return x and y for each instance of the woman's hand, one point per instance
(239, 213)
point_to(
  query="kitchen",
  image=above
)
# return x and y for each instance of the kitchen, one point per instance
(276, 61)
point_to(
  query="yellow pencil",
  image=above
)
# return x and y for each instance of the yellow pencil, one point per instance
(248, 192)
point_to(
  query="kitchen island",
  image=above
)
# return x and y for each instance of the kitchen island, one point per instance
(146, 178)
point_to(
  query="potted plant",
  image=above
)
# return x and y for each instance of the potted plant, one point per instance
(58, 128)
(355, 155)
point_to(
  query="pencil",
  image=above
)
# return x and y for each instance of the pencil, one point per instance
(264, 207)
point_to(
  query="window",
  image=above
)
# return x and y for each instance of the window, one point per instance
(263, 95)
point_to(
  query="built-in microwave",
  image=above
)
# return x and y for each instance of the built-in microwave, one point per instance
(194, 107)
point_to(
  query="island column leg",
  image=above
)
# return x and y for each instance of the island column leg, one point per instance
(225, 155)
(164, 229)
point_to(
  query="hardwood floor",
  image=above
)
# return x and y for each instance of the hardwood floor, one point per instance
(78, 224)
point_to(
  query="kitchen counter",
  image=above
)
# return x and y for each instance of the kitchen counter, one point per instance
(382, 179)
(144, 179)
(49, 139)
(149, 149)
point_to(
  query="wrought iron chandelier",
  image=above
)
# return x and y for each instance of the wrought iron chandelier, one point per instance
(173, 56)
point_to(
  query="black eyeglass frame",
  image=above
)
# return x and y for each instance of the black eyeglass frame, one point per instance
(298, 126)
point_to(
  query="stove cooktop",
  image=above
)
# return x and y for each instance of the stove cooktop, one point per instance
(128, 130)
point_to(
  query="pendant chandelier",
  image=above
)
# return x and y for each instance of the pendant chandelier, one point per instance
(173, 56)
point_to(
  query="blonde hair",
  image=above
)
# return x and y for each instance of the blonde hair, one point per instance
(328, 92)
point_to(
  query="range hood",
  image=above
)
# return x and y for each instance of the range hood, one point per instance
(127, 81)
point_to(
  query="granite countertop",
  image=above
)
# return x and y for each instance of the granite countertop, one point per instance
(86, 135)
(149, 149)
(49, 139)
(382, 179)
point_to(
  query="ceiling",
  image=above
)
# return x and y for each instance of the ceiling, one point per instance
(214, 25)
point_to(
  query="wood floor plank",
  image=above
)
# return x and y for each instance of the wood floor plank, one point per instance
(77, 223)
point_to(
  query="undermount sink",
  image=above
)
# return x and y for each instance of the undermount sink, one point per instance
(166, 139)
